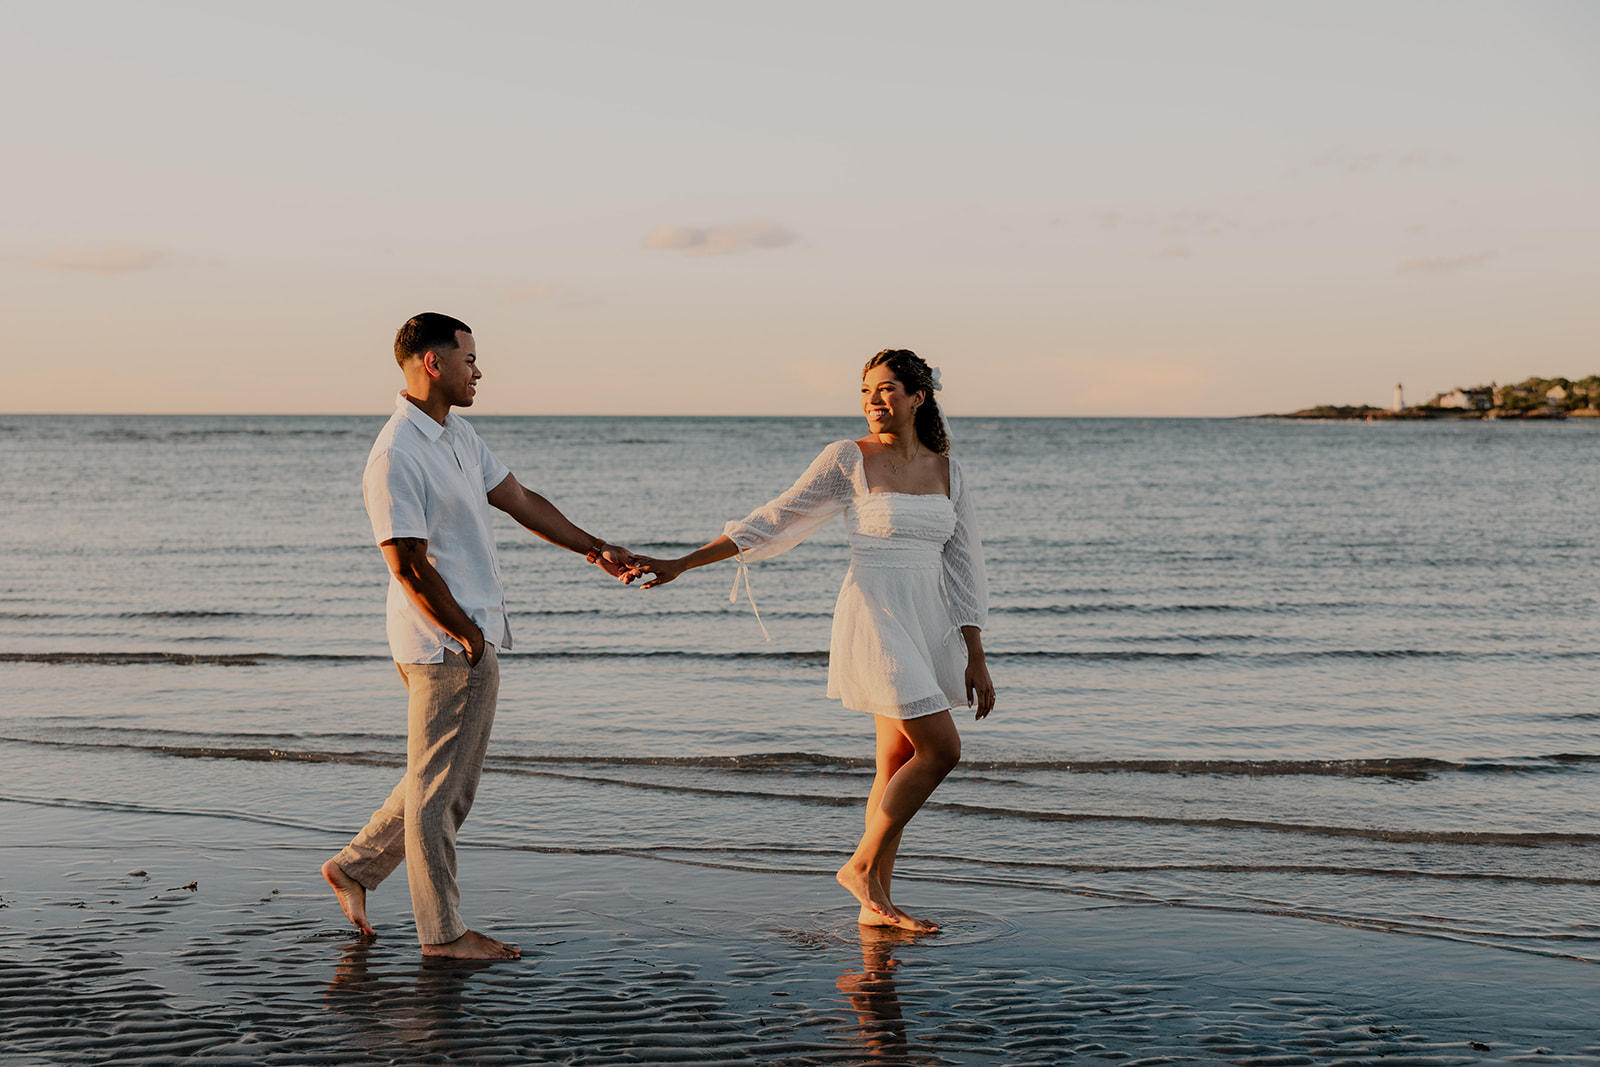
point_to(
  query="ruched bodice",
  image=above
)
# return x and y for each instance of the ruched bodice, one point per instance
(916, 576)
(899, 529)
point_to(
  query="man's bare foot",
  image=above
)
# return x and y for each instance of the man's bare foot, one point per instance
(352, 896)
(865, 888)
(474, 946)
(900, 921)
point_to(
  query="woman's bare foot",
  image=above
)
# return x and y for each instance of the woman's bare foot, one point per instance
(474, 946)
(352, 896)
(900, 921)
(865, 888)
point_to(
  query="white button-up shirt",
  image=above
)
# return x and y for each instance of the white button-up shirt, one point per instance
(431, 481)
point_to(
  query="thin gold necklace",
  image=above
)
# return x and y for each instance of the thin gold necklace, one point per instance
(916, 450)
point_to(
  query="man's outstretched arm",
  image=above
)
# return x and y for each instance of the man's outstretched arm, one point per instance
(546, 520)
(408, 560)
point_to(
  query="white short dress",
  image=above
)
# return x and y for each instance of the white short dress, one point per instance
(916, 577)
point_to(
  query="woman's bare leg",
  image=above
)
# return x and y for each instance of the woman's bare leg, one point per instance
(901, 787)
(894, 750)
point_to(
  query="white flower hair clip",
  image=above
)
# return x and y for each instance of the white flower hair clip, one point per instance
(934, 373)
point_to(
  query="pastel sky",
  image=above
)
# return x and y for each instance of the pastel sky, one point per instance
(1129, 208)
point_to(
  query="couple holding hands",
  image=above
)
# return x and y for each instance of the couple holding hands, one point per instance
(906, 643)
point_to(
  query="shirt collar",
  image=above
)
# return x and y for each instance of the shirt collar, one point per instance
(419, 418)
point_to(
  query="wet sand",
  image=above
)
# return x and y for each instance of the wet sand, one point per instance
(635, 960)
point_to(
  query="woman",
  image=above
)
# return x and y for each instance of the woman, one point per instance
(903, 648)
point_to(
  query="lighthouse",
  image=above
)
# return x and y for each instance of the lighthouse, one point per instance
(1399, 399)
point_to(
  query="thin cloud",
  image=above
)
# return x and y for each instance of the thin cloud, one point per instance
(719, 240)
(1171, 224)
(524, 293)
(1342, 161)
(104, 260)
(1444, 264)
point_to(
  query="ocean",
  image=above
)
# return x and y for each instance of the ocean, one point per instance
(1340, 672)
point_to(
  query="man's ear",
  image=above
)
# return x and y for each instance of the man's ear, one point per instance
(430, 363)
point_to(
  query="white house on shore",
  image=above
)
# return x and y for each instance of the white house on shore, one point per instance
(1465, 399)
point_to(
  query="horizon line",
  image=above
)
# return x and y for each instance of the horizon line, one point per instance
(550, 415)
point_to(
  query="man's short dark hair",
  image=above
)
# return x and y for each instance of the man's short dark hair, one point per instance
(429, 330)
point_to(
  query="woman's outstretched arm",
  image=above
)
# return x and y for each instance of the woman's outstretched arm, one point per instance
(777, 526)
(665, 570)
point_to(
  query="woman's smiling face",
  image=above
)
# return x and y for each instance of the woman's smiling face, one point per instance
(885, 402)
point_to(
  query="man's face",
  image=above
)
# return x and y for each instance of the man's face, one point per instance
(458, 371)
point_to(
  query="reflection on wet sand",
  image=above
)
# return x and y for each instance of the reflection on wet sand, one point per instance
(418, 1010)
(880, 1021)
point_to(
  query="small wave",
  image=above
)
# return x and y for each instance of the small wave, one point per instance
(729, 851)
(261, 431)
(1301, 656)
(1414, 768)
(1410, 768)
(1515, 839)
(71, 734)
(989, 863)
(196, 615)
(184, 659)
(655, 615)
(1168, 609)
(754, 761)
(658, 615)
(213, 745)
(247, 754)
(1139, 639)
(248, 659)
(256, 659)
(121, 433)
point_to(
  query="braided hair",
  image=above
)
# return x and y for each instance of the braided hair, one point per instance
(915, 375)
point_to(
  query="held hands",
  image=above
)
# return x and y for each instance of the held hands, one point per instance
(614, 560)
(628, 567)
(664, 570)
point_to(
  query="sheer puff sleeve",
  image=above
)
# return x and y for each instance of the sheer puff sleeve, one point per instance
(820, 493)
(965, 583)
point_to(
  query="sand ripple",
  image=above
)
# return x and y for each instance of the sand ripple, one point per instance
(611, 1000)
(99, 970)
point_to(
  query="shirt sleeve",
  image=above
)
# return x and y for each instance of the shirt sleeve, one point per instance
(966, 585)
(820, 493)
(494, 471)
(395, 492)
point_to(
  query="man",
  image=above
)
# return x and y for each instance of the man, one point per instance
(429, 483)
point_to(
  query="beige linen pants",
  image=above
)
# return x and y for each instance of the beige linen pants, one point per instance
(448, 719)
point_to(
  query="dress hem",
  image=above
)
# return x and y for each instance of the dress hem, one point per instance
(898, 711)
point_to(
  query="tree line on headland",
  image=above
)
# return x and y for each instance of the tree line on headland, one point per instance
(1534, 398)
